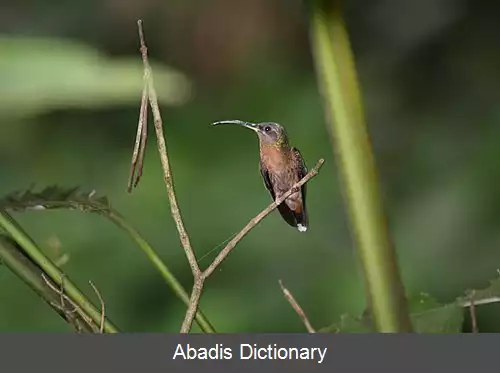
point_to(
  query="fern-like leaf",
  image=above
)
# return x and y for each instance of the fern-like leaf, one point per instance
(55, 197)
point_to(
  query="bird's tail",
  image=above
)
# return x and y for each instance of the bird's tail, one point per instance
(296, 218)
(302, 220)
(287, 214)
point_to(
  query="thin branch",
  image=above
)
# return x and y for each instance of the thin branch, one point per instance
(176, 286)
(162, 148)
(54, 197)
(479, 302)
(69, 313)
(63, 298)
(144, 140)
(194, 302)
(473, 317)
(103, 309)
(13, 257)
(295, 305)
(140, 140)
(257, 219)
(198, 275)
(38, 258)
(200, 280)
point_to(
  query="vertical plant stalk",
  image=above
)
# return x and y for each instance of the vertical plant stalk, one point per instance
(336, 74)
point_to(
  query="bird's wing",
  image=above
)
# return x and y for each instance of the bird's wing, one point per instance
(302, 218)
(302, 170)
(267, 181)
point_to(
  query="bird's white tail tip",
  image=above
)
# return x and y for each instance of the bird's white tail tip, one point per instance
(301, 228)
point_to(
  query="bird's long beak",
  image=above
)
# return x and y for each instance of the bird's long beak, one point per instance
(248, 125)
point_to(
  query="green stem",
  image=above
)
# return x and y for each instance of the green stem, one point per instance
(58, 198)
(337, 79)
(14, 258)
(32, 250)
(200, 318)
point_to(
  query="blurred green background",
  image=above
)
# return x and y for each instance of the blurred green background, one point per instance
(70, 87)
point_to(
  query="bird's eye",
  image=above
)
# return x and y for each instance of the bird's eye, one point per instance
(267, 128)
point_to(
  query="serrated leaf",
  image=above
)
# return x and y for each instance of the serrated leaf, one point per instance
(349, 324)
(427, 316)
(67, 194)
(55, 197)
(445, 319)
(430, 316)
(491, 292)
(40, 74)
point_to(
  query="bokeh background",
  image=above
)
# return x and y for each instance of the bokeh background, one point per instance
(70, 86)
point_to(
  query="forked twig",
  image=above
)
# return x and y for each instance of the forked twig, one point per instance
(162, 148)
(198, 275)
(63, 307)
(295, 305)
(60, 292)
(65, 300)
(199, 280)
(257, 219)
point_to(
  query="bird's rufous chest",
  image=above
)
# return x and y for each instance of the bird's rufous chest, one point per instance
(274, 159)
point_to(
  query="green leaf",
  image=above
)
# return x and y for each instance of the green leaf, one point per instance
(427, 316)
(349, 324)
(430, 316)
(444, 319)
(55, 197)
(422, 302)
(489, 294)
(39, 74)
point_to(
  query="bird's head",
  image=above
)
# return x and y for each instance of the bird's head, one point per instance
(270, 134)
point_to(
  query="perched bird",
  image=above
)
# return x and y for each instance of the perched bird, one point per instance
(281, 166)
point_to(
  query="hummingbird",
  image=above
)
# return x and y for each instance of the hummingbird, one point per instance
(281, 166)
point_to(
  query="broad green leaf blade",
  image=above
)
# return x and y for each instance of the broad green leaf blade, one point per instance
(39, 75)
(427, 316)
(430, 316)
(349, 324)
(444, 319)
(422, 302)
